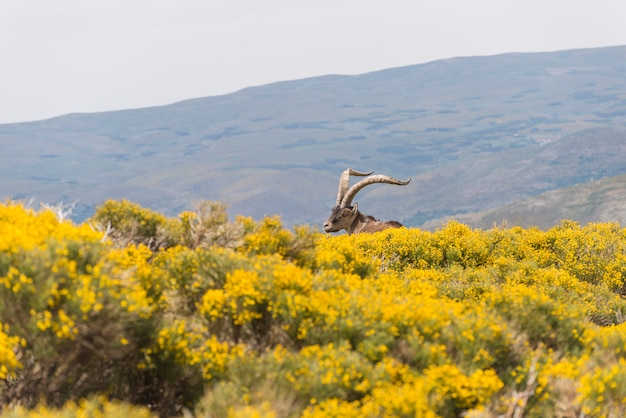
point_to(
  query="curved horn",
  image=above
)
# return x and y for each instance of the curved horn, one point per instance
(344, 181)
(379, 178)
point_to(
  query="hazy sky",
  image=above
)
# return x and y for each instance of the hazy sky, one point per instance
(62, 56)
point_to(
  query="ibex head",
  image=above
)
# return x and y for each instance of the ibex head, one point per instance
(345, 216)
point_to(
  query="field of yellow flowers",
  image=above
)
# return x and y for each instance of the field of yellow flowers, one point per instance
(135, 314)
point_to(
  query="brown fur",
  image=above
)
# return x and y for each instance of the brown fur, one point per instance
(354, 222)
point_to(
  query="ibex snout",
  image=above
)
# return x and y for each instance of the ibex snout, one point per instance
(340, 218)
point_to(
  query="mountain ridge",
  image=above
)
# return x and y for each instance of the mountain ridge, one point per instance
(475, 133)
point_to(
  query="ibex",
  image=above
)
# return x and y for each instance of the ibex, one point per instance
(345, 216)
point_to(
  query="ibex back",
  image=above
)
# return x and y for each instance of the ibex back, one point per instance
(346, 217)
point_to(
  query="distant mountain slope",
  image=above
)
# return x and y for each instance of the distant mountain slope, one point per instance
(596, 201)
(475, 133)
(491, 180)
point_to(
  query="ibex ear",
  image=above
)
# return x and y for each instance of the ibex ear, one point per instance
(355, 208)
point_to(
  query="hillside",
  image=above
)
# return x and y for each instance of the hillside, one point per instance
(596, 201)
(475, 133)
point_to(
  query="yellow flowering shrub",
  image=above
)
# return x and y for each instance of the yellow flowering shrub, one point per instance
(461, 245)
(594, 254)
(23, 229)
(136, 260)
(337, 408)
(95, 406)
(331, 371)
(531, 246)
(602, 390)
(181, 344)
(341, 254)
(269, 237)
(9, 363)
(452, 391)
(250, 319)
(542, 319)
(409, 398)
(128, 223)
(610, 339)
(244, 295)
(263, 411)
(440, 391)
(70, 306)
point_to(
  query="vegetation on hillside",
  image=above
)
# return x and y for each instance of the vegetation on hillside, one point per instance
(132, 314)
(598, 201)
(474, 133)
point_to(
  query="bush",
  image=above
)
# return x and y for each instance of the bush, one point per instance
(88, 407)
(127, 223)
(197, 314)
(209, 225)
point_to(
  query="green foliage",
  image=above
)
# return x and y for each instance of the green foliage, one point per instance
(131, 225)
(269, 237)
(208, 226)
(251, 319)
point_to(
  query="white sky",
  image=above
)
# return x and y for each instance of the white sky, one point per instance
(62, 56)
